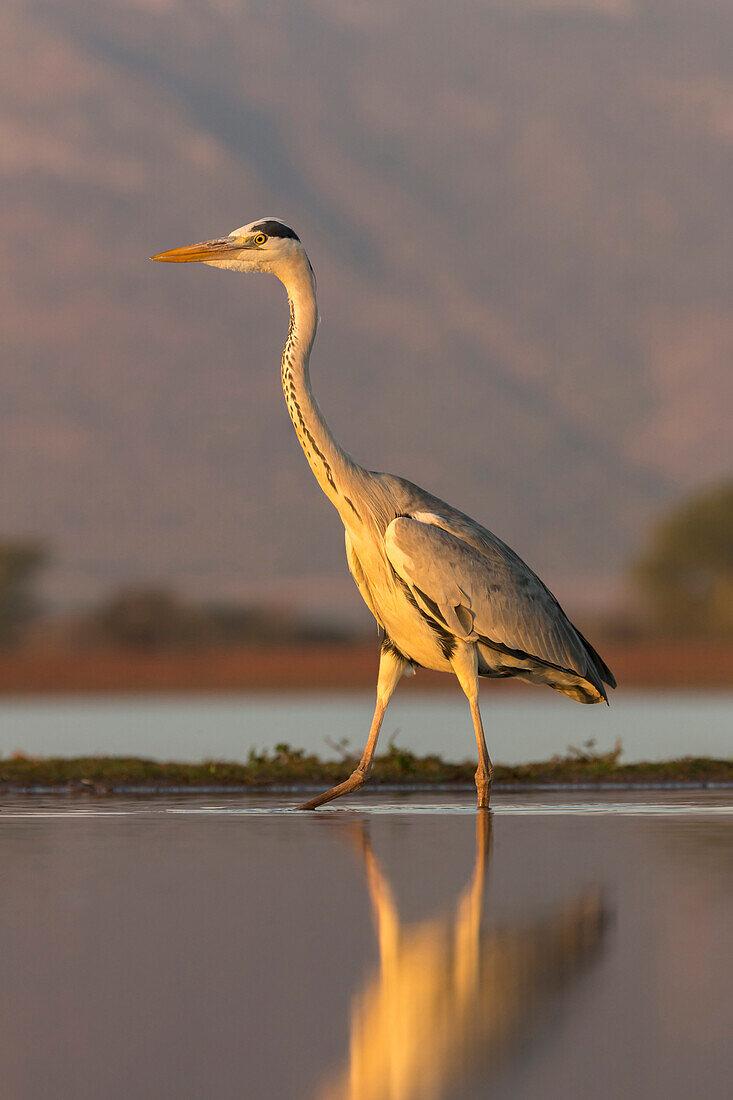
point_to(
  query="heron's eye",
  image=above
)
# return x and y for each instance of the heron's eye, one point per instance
(260, 238)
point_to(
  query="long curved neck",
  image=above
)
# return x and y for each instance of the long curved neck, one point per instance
(332, 467)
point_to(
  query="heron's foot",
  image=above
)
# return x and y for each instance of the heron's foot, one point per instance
(484, 780)
(356, 780)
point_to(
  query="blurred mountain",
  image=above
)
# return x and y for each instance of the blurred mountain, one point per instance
(519, 215)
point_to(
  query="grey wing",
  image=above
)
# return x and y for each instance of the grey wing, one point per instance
(487, 594)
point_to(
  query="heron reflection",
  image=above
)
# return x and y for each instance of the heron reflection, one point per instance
(448, 996)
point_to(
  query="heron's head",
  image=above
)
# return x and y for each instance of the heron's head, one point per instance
(267, 245)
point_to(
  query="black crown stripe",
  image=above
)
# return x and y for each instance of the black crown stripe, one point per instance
(275, 229)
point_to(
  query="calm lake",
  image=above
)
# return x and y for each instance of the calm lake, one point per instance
(401, 948)
(530, 726)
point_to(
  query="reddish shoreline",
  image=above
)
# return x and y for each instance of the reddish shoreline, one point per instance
(322, 668)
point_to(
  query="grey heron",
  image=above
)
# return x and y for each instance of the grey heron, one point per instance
(446, 592)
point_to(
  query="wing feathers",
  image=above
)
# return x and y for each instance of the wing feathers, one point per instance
(486, 592)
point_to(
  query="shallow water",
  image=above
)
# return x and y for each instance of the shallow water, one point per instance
(387, 948)
(532, 725)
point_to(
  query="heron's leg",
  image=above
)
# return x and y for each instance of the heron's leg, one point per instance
(391, 667)
(465, 666)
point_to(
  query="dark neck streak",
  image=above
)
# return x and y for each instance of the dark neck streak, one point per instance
(333, 468)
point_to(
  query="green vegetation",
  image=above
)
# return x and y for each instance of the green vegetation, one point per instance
(19, 562)
(155, 620)
(289, 766)
(686, 575)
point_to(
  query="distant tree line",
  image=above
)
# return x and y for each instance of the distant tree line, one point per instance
(19, 565)
(683, 580)
(152, 619)
(143, 618)
(685, 575)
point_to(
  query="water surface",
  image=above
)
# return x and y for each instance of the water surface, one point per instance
(383, 949)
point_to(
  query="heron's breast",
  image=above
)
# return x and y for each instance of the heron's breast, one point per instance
(409, 630)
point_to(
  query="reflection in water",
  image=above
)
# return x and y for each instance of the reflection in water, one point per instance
(449, 996)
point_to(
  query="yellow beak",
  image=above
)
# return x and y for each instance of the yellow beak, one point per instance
(204, 250)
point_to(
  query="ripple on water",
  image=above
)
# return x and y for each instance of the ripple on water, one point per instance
(702, 804)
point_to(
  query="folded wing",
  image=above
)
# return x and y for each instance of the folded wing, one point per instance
(481, 591)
